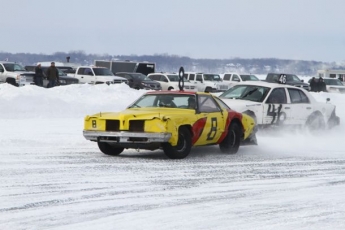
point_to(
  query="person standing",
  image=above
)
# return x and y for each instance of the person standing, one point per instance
(52, 75)
(321, 85)
(313, 85)
(38, 79)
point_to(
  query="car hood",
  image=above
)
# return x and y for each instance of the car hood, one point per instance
(336, 86)
(241, 105)
(143, 113)
(297, 83)
(151, 82)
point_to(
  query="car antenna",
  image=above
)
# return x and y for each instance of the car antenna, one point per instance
(180, 78)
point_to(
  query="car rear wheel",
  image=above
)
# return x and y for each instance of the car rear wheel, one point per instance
(107, 149)
(315, 122)
(231, 142)
(183, 147)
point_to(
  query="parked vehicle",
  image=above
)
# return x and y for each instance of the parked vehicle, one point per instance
(280, 105)
(154, 121)
(13, 73)
(96, 75)
(235, 77)
(140, 81)
(289, 79)
(63, 78)
(169, 81)
(206, 82)
(127, 66)
(333, 85)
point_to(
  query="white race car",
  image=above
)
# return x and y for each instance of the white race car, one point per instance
(278, 104)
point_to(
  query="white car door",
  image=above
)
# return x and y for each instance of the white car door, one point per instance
(85, 75)
(235, 78)
(165, 83)
(200, 83)
(301, 106)
(276, 109)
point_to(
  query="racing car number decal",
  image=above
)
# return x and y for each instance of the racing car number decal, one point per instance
(213, 130)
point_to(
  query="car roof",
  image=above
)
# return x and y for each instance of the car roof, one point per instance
(177, 92)
(267, 84)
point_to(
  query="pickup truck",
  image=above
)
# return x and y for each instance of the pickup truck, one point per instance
(235, 77)
(289, 79)
(14, 74)
(206, 82)
(96, 75)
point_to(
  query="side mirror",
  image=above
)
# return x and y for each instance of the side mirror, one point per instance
(328, 99)
(302, 80)
(1, 70)
(90, 73)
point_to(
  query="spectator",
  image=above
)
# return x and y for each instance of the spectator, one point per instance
(38, 79)
(52, 75)
(321, 85)
(313, 85)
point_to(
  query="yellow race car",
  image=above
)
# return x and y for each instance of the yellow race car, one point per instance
(174, 121)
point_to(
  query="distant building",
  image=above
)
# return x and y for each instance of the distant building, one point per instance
(332, 73)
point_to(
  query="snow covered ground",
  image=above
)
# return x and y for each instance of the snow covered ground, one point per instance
(52, 178)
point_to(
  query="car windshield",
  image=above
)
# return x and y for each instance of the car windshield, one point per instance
(12, 67)
(249, 78)
(333, 82)
(246, 92)
(141, 77)
(173, 77)
(292, 78)
(212, 77)
(181, 101)
(102, 72)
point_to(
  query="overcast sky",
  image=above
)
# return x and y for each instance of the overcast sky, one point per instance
(287, 29)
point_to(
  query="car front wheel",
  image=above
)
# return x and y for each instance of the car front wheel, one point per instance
(183, 147)
(107, 149)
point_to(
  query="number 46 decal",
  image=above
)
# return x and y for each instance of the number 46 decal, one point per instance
(213, 130)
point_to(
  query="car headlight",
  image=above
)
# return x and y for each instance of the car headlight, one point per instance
(145, 84)
(63, 81)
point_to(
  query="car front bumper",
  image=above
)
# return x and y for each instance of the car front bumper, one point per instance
(126, 137)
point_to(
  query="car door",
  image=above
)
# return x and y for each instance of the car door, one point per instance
(85, 75)
(200, 83)
(209, 110)
(301, 107)
(276, 109)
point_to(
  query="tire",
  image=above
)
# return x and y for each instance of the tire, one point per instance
(108, 149)
(208, 89)
(232, 141)
(315, 122)
(11, 81)
(170, 88)
(183, 147)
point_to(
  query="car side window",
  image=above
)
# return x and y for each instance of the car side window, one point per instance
(277, 96)
(199, 77)
(88, 71)
(164, 78)
(1, 68)
(226, 77)
(81, 71)
(298, 96)
(207, 104)
(235, 78)
(192, 77)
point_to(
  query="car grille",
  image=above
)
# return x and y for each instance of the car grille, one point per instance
(136, 125)
(155, 86)
(112, 125)
(120, 81)
(189, 87)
